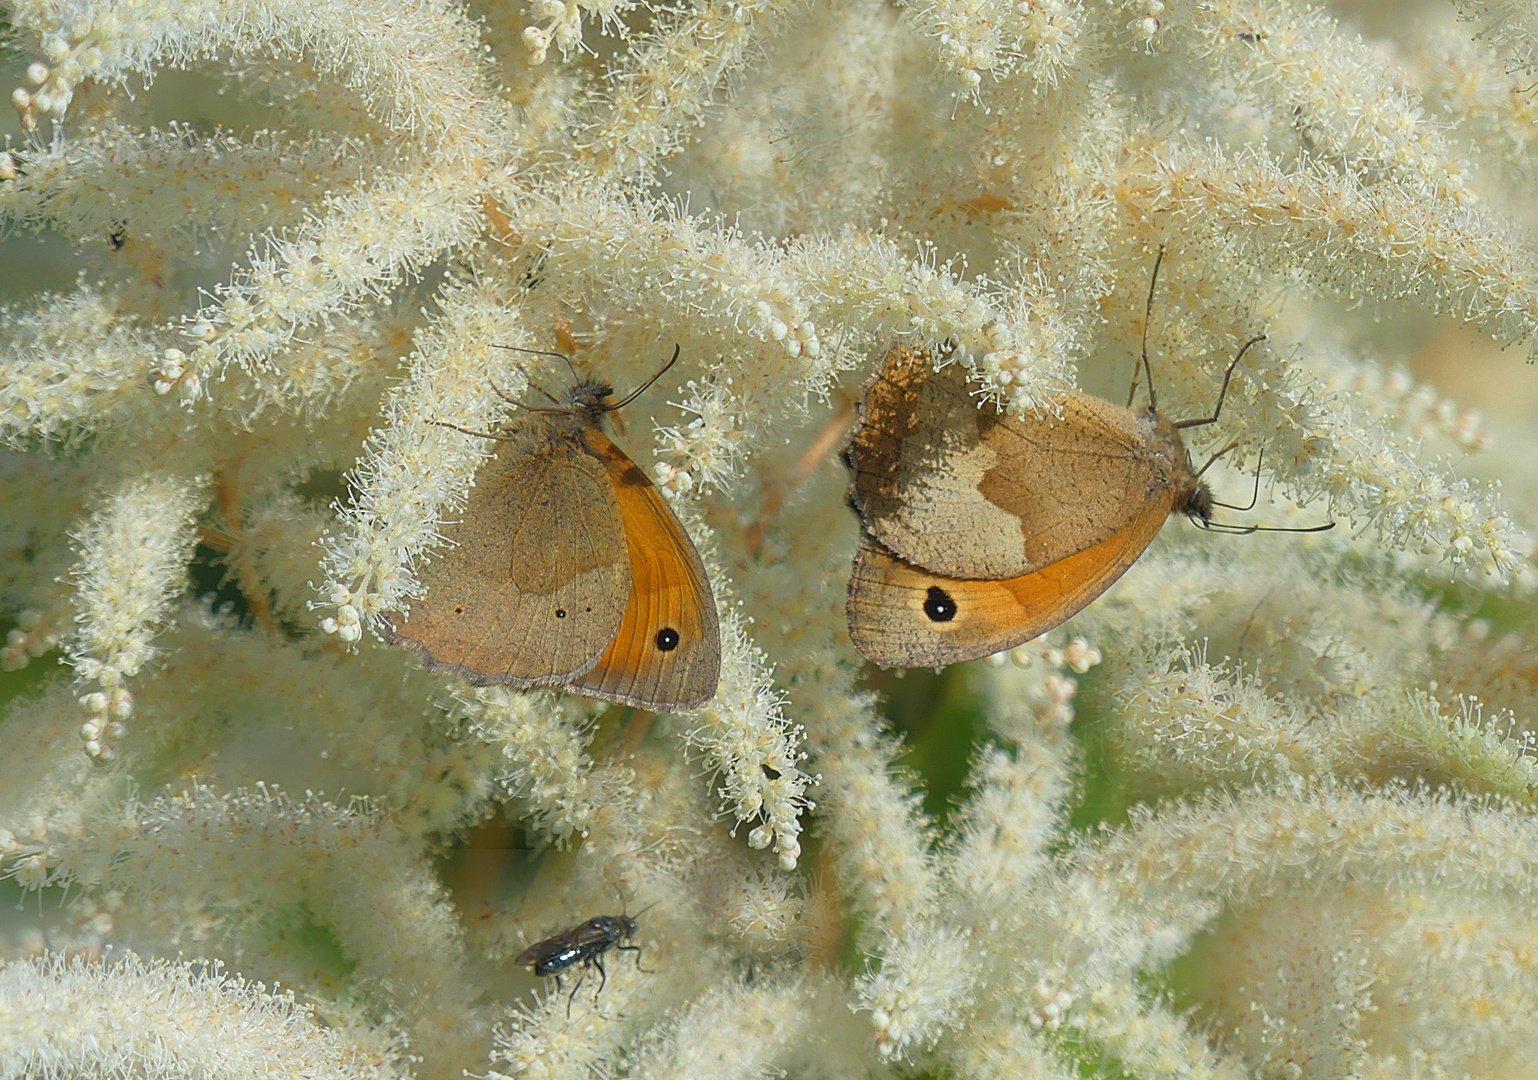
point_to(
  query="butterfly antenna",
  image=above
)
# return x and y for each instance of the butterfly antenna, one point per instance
(1254, 495)
(515, 403)
(496, 435)
(638, 391)
(575, 378)
(534, 352)
(1224, 391)
(1153, 282)
(548, 395)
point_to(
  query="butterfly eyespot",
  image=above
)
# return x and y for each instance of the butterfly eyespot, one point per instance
(938, 605)
(667, 639)
(560, 613)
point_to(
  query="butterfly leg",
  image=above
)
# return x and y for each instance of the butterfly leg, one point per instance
(1234, 445)
(1223, 393)
(1254, 495)
(467, 431)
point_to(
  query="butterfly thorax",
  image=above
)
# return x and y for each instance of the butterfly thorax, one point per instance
(1191, 495)
(557, 429)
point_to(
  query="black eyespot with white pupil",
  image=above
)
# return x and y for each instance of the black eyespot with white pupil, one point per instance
(560, 613)
(667, 639)
(938, 605)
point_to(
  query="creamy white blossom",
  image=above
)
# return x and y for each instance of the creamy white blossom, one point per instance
(1262, 810)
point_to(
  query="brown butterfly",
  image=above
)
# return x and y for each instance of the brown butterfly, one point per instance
(980, 530)
(567, 569)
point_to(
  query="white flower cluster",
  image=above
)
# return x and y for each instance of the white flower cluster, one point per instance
(134, 554)
(1264, 808)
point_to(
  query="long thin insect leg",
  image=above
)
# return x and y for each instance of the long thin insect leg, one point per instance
(1254, 495)
(1223, 393)
(1147, 318)
(637, 950)
(467, 431)
(1231, 446)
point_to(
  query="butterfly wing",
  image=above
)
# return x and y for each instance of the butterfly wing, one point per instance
(535, 583)
(666, 653)
(969, 492)
(902, 616)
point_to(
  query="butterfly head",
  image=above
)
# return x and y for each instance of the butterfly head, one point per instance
(1196, 502)
(1193, 497)
(589, 399)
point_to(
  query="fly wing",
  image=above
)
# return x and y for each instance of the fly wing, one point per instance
(599, 932)
(551, 956)
(969, 492)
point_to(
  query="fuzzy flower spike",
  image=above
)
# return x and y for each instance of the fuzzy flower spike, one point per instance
(1263, 809)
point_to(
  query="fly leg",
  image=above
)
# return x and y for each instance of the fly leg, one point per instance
(637, 950)
(603, 976)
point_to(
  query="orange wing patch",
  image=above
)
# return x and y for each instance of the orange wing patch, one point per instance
(903, 616)
(667, 651)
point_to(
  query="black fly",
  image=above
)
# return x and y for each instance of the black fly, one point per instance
(582, 945)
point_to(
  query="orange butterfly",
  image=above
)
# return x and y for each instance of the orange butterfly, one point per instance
(980, 530)
(567, 569)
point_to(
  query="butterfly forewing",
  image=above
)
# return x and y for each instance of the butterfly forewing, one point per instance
(970, 492)
(666, 653)
(982, 530)
(568, 569)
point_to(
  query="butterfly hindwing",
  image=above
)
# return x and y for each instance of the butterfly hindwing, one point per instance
(901, 615)
(970, 492)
